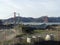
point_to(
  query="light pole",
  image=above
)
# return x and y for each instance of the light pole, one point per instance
(19, 22)
(19, 18)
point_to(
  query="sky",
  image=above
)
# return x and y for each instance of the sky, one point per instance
(29, 8)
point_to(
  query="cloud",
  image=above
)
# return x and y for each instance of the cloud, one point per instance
(29, 8)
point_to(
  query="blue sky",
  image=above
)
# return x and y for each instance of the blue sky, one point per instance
(29, 8)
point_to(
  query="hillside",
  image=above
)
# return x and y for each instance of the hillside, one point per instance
(30, 19)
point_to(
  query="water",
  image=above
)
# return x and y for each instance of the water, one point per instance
(36, 23)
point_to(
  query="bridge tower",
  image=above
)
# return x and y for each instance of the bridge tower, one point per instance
(45, 19)
(14, 18)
